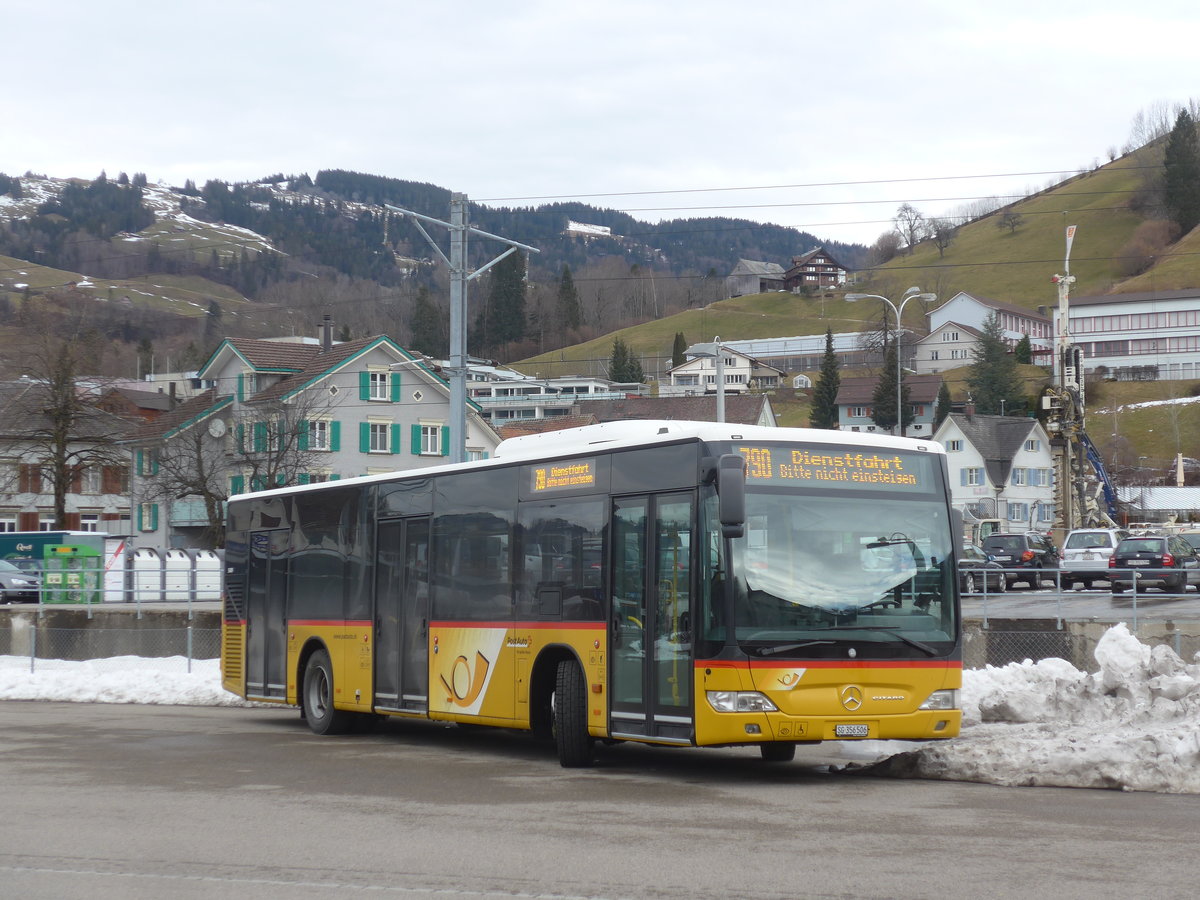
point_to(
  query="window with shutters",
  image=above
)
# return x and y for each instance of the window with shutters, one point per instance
(318, 434)
(379, 438)
(431, 440)
(378, 383)
(30, 479)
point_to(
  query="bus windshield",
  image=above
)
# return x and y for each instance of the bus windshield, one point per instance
(814, 572)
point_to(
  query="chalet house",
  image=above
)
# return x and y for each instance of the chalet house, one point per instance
(698, 375)
(855, 396)
(750, 276)
(1000, 467)
(815, 269)
(282, 413)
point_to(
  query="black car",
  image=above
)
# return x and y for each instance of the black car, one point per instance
(1164, 561)
(1022, 550)
(977, 572)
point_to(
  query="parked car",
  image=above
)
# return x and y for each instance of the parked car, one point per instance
(1164, 561)
(1022, 550)
(1192, 536)
(1085, 554)
(977, 572)
(17, 586)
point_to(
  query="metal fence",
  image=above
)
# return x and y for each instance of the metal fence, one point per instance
(173, 646)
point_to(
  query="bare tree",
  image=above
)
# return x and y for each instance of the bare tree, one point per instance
(56, 431)
(911, 225)
(1010, 219)
(942, 232)
(273, 443)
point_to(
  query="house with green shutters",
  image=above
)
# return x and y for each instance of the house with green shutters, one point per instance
(289, 412)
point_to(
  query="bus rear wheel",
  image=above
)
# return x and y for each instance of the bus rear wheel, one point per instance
(317, 697)
(777, 752)
(575, 745)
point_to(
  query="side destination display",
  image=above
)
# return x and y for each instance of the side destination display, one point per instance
(820, 466)
(568, 475)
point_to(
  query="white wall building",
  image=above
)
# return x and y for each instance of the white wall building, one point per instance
(1153, 336)
(1000, 467)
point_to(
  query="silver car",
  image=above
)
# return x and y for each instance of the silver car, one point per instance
(16, 585)
(1086, 553)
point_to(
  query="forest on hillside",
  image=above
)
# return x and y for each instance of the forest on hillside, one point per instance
(338, 250)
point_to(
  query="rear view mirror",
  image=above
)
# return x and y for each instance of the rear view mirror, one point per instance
(731, 494)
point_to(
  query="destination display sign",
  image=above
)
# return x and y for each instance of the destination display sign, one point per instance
(833, 468)
(560, 476)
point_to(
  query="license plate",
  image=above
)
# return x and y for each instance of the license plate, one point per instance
(1003, 559)
(1139, 562)
(1088, 556)
(851, 730)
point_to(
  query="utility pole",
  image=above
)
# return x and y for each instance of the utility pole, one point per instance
(460, 276)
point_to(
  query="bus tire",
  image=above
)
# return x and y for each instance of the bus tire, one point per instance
(317, 697)
(777, 752)
(575, 745)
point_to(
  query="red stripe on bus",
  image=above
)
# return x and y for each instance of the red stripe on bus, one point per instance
(831, 664)
(508, 623)
(330, 623)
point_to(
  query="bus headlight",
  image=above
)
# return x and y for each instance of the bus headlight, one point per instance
(740, 701)
(941, 700)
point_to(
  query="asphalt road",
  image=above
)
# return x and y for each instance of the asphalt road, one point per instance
(105, 801)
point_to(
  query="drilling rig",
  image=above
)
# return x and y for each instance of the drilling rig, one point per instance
(1083, 493)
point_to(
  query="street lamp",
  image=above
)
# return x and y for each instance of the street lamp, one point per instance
(913, 293)
(716, 353)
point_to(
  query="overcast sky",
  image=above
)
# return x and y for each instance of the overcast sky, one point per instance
(562, 99)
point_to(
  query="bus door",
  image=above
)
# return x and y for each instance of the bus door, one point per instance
(650, 640)
(402, 615)
(266, 615)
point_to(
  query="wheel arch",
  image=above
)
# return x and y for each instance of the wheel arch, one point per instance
(542, 677)
(311, 646)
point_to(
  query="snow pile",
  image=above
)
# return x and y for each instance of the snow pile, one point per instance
(119, 679)
(1134, 725)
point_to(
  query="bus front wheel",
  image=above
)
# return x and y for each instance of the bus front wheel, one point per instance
(317, 697)
(575, 745)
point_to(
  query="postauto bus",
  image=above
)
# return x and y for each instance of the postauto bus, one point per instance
(674, 583)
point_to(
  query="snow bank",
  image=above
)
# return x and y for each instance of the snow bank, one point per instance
(1134, 725)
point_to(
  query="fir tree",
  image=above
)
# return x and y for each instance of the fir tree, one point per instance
(824, 412)
(883, 401)
(993, 380)
(426, 324)
(1023, 352)
(569, 315)
(943, 405)
(679, 350)
(1181, 173)
(623, 366)
(502, 318)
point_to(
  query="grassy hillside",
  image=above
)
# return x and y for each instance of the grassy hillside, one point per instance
(742, 318)
(1016, 266)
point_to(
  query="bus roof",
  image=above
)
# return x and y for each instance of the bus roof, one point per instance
(620, 435)
(637, 432)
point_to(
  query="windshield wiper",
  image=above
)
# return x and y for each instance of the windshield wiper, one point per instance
(892, 630)
(784, 648)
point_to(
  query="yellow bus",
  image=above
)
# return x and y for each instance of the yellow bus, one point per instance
(674, 583)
